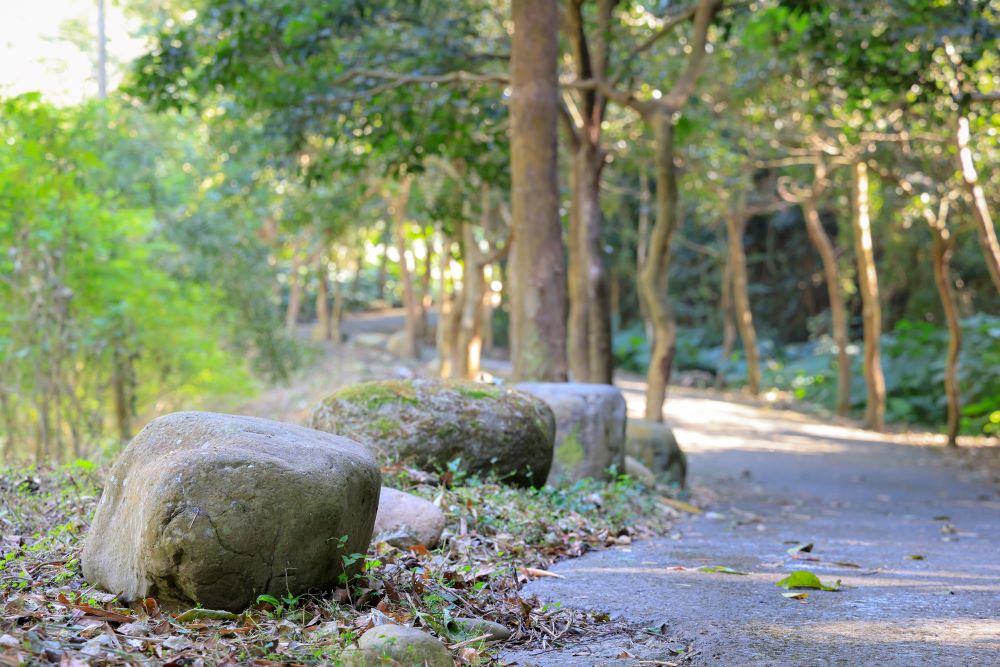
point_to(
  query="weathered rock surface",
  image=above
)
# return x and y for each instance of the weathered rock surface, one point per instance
(653, 445)
(477, 627)
(590, 428)
(399, 645)
(430, 423)
(213, 509)
(639, 472)
(405, 520)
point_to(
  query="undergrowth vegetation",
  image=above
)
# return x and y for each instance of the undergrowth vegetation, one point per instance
(913, 359)
(497, 537)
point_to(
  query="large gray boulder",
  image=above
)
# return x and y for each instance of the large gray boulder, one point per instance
(430, 423)
(214, 509)
(590, 428)
(653, 445)
(405, 520)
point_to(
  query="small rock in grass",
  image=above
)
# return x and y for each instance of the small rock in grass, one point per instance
(476, 627)
(405, 520)
(215, 510)
(398, 645)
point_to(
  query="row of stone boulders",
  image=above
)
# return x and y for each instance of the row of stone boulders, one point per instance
(217, 510)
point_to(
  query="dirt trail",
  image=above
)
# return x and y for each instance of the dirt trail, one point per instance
(775, 479)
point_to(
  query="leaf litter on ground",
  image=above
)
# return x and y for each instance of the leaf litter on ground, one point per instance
(806, 579)
(496, 538)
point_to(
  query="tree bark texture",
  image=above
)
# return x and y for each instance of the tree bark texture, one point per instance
(537, 275)
(871, 308)
(735, 227)
(654, 280)
(984, 221)
(838, 309)
(728, 323)
(941, 251)
(410, 299)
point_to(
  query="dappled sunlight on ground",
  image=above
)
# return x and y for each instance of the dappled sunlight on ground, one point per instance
(933, 630)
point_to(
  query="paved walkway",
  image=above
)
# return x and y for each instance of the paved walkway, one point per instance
(917, 542)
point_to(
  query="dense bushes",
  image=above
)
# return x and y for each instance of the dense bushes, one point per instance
(913, 356)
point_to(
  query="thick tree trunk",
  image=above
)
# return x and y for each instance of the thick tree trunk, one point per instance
(838, 309)
(728, 323)
(654, 280)
(410, 301)
(536, 275)
(735, 228)
(871, 308)
(984, 222)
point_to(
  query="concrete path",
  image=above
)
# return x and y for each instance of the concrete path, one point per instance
(917, 542)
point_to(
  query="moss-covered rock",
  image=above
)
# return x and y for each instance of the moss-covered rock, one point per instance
(213, 509)
(430, 423)
(653, 445)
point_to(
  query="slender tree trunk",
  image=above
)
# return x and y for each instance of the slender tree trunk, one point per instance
(324, 330)
(410, 301)
(591, 221)
(578, 327)
(383, 269)
(294, 291)
(871, 309)
(942, 277)
(446, 304)
(941, 250)
(615, 296)
(654, 281)
(642, 250)
(426, 298)
(470, 341)
(728, 323)
(838, 309)
(338, 310)
(536, 275)
(736, 226)
(984, 222)
(121, 382)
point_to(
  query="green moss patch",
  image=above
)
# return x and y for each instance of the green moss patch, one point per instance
(373, 395)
